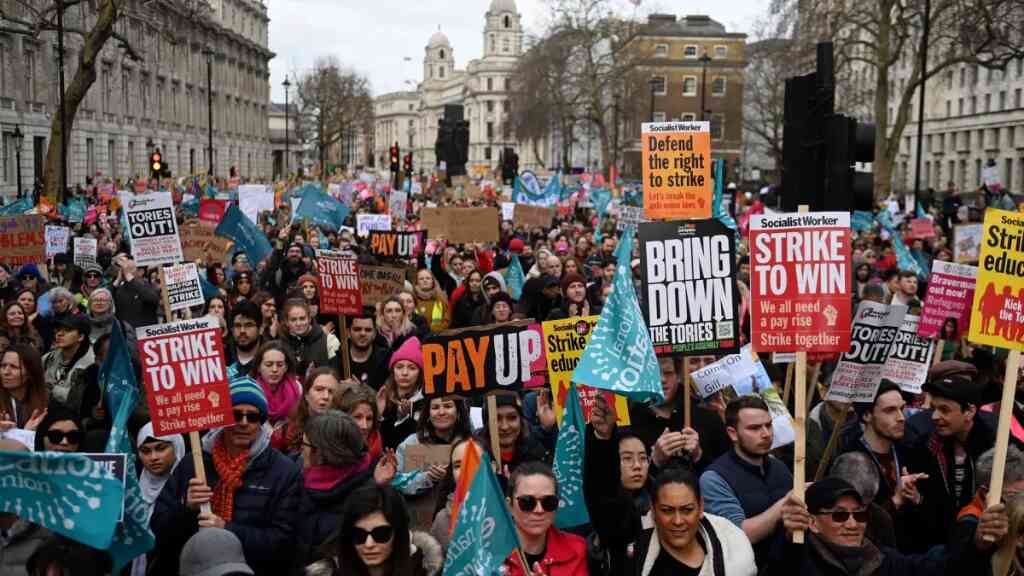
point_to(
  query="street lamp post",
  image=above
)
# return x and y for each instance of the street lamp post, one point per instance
(209, 103)
(286, 85)
(704, 61)
(19, 139)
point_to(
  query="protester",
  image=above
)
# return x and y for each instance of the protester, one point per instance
(64, 367)
(859, 470)
(515, 443)
(308, 341)
(19, 538)
(321, 387)
(443, 420)
(18, 329)
(441, 527)
(401, 397)
(361, 403)
(367, 360)
(245, 321)
(24, 395)
(136, 300)
(59, 430)
(393, 325)
(214, 552)
(159, 455)
(275, 371)
(469, 301)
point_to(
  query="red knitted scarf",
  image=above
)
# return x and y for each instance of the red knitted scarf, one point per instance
(230, 470)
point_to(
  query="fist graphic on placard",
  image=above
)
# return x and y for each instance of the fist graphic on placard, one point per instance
(214, 399)
(831, 315)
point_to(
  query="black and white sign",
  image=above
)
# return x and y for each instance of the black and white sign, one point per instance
(152, 229)
(85, 251)
(182, 286)
(875, 328)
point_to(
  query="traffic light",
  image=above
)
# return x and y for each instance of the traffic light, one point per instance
(820, 147)
(509, 165)
(156, 164)
(395, 152)
(407, 164)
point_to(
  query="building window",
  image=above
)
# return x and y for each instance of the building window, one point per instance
(717, 126)
(960, 106)
(1002, 100)
(30, 75)
(112, 159)
(440, 71)
(491, 38)
(661, 50)
(440, 53)
(688, 117)
(659, 116)
(131, 160)
(949, 108)
(1017, 98)
(718, 86)
(974, 104)
(721, 51)
(90, 157)
(506, 21)
(490, 130)
(487, 153)
(9, 157)
(490, 106)
(506, 44)
(988, 103)
(126, 107)
(689, 85)
(658, 83)
(690, 52)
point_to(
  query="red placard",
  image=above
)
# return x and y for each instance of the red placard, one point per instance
(922, 228)
(339, 283)
(211, 211)
(800, 278)
(185, 376)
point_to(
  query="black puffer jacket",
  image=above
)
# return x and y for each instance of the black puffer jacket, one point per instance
(310, 348)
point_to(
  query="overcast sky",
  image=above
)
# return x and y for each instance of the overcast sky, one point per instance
(376, 36)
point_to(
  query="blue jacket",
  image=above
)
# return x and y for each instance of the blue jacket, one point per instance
(264, 514)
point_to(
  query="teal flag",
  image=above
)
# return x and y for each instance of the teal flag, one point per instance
(320, 208)
(904, 259)
(484, 533)
(209, 290)
(17, 207)
(718, 211)
(527, 190)
(514, 278)
(569, 450)
(74, 212)
(619, 356)
(601, 197)
(65, 493)
(117, 376)
(237, 227)
(862, 221)
(210, 191)
(191, 207)
(920, 211)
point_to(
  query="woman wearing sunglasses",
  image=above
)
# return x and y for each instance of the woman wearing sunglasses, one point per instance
(59, 431)
(252, 490)
(374, 538)
(548, 550)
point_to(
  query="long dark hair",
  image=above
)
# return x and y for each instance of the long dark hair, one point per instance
(363, 502)
(37, 395)
(425, 432)
(289, 358)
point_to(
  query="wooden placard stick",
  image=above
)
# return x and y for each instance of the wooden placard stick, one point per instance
(788, 386)
(799, 425)
(346, 367)
(995, 489)
(687, 396)
(492, 426)
(937, 356)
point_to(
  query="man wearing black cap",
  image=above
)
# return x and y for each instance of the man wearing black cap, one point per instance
(65, 366)
(834, 520)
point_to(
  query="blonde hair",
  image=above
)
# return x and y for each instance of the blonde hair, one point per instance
(1006, 556)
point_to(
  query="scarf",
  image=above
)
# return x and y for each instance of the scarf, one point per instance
(281, 401)
(230, 470)
(150, 484)
(324, 477)
(431, 294)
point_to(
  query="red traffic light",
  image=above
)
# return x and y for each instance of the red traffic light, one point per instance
(156, 161)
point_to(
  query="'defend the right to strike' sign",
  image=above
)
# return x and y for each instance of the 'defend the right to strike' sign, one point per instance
(185, 376)
(800, 282)
(676, 167)
(998, 311)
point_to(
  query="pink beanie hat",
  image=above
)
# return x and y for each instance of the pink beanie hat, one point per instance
(409, 350)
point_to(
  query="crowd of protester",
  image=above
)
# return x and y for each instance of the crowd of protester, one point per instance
(310, 478)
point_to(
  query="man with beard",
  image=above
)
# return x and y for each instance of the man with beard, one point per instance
(367, 361)
(246, 320)
(747, 484)
(283, 273)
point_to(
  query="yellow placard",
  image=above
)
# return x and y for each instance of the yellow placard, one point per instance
(677, 170)
(565, 341)
(997, 317)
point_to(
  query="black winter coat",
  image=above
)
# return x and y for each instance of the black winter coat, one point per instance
(320, 514)
(309, 349)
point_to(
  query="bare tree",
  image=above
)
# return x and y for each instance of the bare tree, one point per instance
(769, 63)
(877, 41)
(337, 103)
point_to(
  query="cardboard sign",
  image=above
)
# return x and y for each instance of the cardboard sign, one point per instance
(57, 240)
(367, 222)
(339, 283)
(724, 373)
(858, 372)
(676, 164)
(482, 359)
(377, 283)
(397, 245)
(182, 287)
(85, 251)
(689, 286)
(528, 217)
(462, 225)
(152, 228)
(565, 341)
(800, 282)
(22, 239)
(966, 242)
(185, 376)
(998, 318)
(910, 357)
(196, 239)
(948, 300)
(922, 228)
(423, 456)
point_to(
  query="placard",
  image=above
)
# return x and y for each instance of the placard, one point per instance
(858, 372)
(966, 242)
(398, 202)
(689, 291)
(57, 240)
(800, 282)
(22, 239)
(377, 283)
(508, 211)
(630, 216)
(367, 222)
(481, 359)
(196, 239)
(397, 245)
(462, 225)
(676, 164)
(152, 229)
(998, 318)
(783, 357)
(182, 288)
(910, 357)
(922, 228)
(422, 456)
(565, 341)
(339, 283)
(724, 373)
(255, 198)
(528, 217)
(949, 298)
(185, 376)
(211, 211)
(85, 251)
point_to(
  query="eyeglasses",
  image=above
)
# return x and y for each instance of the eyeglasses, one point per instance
(840, 516)
(58, 436)
(250, 417)
(92, 275)
(529, 503)
(381, 535)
